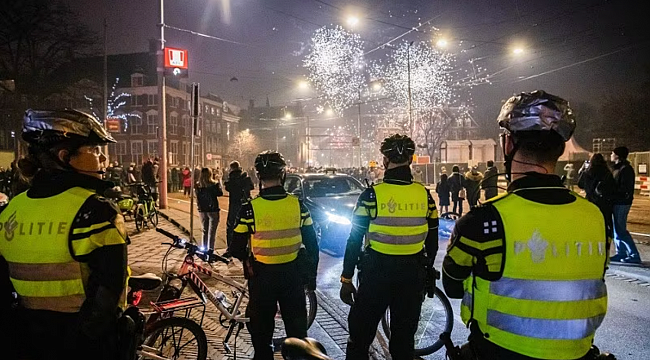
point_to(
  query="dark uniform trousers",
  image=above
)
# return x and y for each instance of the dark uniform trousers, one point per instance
(273, 284)
(387, 281)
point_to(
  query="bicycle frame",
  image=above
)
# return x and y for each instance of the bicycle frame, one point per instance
(189, 270)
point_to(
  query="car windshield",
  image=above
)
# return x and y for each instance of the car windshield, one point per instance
(332, 186)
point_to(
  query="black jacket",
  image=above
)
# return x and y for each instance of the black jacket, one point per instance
(598, 185)
(239, 186)
(206, 197)
(490, 181)
(624, 183)
(456, 183)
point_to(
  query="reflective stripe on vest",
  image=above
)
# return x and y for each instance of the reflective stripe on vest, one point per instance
(34, 240)
(551, 297)
(277, 236)
(400, 226)
(575, 329)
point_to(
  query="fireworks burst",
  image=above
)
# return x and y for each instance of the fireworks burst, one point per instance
(335, 65)
(430, 80)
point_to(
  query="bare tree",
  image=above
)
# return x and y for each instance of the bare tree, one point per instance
(243, 148)
(36, 37)
(431, 128)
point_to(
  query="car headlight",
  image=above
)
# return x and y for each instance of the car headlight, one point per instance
(338, 219)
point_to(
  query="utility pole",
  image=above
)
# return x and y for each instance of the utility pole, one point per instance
(408, 66)
(162, 140)
(195, 123)
(358, 129)
(105, 99)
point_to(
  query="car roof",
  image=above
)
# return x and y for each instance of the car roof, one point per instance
(319, 176)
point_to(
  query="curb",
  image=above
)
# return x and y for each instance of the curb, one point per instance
(175, 223)
(616, 270)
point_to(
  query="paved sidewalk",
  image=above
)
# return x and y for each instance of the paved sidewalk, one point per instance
(146, 254)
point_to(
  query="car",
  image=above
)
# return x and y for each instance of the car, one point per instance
(330, 198)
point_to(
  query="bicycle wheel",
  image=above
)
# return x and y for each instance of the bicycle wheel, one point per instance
(139, 218)
(153, 215)
(279, 333)
(436, 317)
(176, 338)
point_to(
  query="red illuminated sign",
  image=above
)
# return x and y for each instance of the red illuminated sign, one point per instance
(175, 58)
(113, 125)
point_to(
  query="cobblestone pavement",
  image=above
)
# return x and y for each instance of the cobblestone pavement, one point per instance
(146, 255)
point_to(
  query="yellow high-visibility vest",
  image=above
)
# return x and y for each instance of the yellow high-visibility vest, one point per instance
(277, 236)
(552, 295)
(400, 226)
(34, 242)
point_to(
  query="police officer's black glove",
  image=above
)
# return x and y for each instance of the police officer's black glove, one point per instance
(430, 282)
(348, 293)
(311, 284)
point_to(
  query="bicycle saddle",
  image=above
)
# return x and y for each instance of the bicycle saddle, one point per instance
(303, 349)
(146, 281)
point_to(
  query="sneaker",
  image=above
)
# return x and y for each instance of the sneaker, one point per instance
(631, 260)
(616, 258)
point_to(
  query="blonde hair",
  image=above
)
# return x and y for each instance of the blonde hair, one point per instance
(205, 179)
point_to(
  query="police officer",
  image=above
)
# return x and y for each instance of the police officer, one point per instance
(282, 257)
(400, 221)
(63, 244)
(529, 264)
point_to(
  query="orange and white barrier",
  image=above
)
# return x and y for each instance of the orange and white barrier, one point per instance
(642, 183)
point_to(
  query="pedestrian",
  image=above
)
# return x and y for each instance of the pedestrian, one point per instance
(457, 186)
(396, 267)
(180, 178)
(115, 173)
(207, 201)
(623, 174)
(187, 181)
(239, 187)
(269, 238)
(418, 175)
(569, 175)
(490, 181)
(197, 175)
(529, 267)
(473, 180)
(254, 180)
(443, 190)
(70, 272)
(175, 180)
(597, 181)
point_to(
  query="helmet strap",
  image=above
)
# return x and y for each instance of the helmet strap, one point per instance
(508, 158)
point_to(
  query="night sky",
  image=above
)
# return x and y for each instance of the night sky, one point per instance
(581, 50)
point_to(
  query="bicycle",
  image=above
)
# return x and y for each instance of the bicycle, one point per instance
(145, 209)
(231, 317)
(159, 337)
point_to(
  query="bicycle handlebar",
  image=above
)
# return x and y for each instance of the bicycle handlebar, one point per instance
(206, 255)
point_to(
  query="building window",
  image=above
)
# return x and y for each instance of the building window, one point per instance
(206, 109)
(137, 80)
(136, 151)
(213, 126)
(218, 128)
(185, 124)
(176, 102)
(152, 124)
(135, 100)
(136, 126)
(173, 150)
(228, 131)
(186, 152)
(152, 147)
(197, 154)
(152, 100)
(173, 124)
(212, 110)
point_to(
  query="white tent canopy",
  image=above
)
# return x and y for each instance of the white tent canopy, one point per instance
(574, 152)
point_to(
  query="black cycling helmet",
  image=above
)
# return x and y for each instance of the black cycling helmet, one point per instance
(537, 111)
(48, 127)
(270, 164)
(398, 148)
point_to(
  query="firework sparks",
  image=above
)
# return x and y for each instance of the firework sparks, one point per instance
(336, 67)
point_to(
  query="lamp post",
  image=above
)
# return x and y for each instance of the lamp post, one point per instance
(162, 140)
(408, 66)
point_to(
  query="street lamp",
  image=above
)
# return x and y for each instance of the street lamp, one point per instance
(353, 20)
(302, 84)
(288, 116)
(442, 43)
(518, 51)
